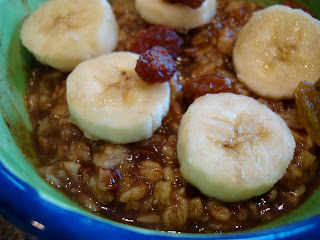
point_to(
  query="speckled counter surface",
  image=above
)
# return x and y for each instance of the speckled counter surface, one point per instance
(9, 232)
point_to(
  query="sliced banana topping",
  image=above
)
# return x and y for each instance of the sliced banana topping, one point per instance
(233, 148)
(276, 49)
(177, 16)
(108, 101)
(63, 33)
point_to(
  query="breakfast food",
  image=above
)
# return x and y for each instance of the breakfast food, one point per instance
(177, 16)
(63, 33)
(233, 148)
(156, 36)
(190, 3)
(141, 183)
(108, 101)
(307, 99)
(276, 49)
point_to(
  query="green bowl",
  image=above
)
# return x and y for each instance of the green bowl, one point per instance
(19, 179)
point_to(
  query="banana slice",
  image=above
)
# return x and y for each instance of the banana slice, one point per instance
(107, 100)
(177, 16)
(276, 49)
(233, 148)
(63, 33)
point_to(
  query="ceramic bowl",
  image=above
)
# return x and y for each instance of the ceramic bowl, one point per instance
(37, 208)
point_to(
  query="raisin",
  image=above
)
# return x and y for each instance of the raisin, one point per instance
(211, 83)
(296, 5)
(157, 36)
(190, 3)
(307, 99)
(155, 65)
(317, 85)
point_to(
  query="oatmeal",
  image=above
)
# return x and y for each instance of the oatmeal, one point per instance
(140, 183)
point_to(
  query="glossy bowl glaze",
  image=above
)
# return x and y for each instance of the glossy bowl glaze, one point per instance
(37, 208)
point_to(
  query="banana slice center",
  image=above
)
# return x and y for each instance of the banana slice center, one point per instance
(116, 105)
(276, 49)
(232, 147)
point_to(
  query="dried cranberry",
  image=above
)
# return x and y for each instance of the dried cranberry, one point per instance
(155, 65)
(157, 36)
(190, 3)
(211, 83)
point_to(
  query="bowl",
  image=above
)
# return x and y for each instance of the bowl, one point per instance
(40, 210)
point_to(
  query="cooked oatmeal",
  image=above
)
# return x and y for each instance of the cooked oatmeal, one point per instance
(140, 183)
